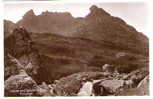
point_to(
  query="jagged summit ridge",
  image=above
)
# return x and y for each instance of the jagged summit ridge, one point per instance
(95, 12)
(30, 13)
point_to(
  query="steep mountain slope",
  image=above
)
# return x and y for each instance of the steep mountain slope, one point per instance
(98, 26)
(62, 45)
(65, 56)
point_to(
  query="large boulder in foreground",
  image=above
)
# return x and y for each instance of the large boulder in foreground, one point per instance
(112, 86)
(141, 90)
(70, 85)
(20, 85)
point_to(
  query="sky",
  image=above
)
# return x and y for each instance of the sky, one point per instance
(135, 14)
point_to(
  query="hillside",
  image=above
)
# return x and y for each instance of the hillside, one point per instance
(55, 46)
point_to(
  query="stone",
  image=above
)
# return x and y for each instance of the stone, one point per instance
(112, 86)
(20, 85)
(98, 90)
(12, 66)
(21, 46)
(143, 82)
(108, 68)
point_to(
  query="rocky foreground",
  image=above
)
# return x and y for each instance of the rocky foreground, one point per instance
(98, 55)
(102, 83)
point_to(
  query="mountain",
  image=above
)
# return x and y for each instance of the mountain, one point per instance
(61, 45)
(98, 26)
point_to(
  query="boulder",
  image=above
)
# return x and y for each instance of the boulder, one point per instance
(44, 89)
(141, 90)
(112, 86)
(143, 82)
(98, 90)
(20, 85)
(108, 68)
(12, 66)
(70, 85)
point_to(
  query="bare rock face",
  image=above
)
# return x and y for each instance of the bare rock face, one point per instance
(97, 12)
(46, 22)
(12, 66)
(137, 75)
(20, 46)
(8, 27)
(95, 26)
(19, 83)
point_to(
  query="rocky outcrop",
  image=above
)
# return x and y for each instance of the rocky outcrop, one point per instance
(20, 45)
(19, 83)
(12, 66)
(142, 89)
(112, 86)
(46, 22)
(8, 27)
(143, 82)
(97, 12)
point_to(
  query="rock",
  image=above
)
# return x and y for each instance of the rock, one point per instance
(128, 83)
(143, 82)
(71, 55)
(44, 90)
(109, 68)
(112, 86)
(142, 90)
(97, 12)
(137, 75)
(12, 66)
(98, 90)
(95, 26)
(71, 84)
(20, 85)
(20, 45)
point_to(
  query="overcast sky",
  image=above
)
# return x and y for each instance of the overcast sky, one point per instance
(134, 14)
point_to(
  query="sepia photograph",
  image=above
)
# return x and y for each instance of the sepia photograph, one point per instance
(76, 49)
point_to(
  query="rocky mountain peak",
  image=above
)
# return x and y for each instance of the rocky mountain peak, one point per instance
(66, 14)
(95, 11)
(30, 13)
